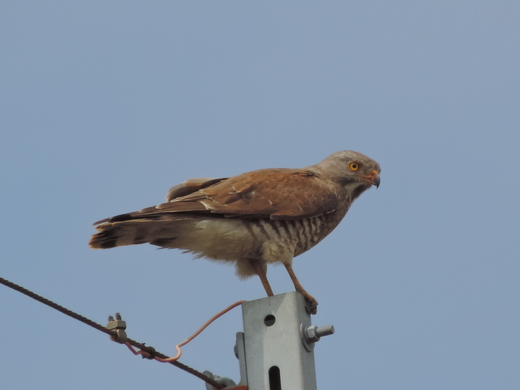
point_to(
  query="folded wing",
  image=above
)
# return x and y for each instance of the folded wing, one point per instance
(279, 194)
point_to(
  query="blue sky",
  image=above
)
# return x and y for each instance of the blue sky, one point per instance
(105, 105)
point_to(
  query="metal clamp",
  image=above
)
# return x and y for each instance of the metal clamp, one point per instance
(228, 383)
(119, 326)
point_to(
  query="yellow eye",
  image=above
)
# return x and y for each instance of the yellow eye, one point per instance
(353, 166)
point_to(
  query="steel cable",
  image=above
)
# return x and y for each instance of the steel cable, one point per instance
(151, 351)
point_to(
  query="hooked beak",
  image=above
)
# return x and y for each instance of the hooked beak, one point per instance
(373, 178)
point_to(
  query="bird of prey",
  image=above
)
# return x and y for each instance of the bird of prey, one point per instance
(253, 219)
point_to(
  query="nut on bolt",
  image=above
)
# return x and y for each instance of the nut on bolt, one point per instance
(310, 334)
(314, 333)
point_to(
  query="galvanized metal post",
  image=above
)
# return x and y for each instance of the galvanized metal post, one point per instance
(279, 342)
(276, 348)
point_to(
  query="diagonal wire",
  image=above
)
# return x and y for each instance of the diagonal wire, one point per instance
(112, 333)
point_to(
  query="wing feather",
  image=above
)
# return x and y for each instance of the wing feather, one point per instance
(281, 194)
(190, 186)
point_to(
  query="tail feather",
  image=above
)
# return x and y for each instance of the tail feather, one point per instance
(139, 231)
(214, 238)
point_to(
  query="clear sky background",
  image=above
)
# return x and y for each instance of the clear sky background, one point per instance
(104, 105)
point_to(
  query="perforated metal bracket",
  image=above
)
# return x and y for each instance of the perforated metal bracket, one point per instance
(275, 351)
(277, 345)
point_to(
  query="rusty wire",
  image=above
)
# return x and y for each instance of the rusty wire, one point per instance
(149, 350)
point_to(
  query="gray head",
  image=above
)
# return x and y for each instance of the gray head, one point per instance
(352, 170)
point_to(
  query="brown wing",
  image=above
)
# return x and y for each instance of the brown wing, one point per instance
(190, 186)
(269, 193)
(183, 189)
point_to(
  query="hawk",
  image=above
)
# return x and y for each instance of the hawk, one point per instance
(251, 220)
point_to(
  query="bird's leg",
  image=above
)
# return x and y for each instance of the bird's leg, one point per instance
(261, 271)
(298, 287)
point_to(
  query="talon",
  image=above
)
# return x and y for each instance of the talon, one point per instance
(311, 305)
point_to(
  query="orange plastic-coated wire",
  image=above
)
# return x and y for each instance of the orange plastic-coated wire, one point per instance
(178, 346)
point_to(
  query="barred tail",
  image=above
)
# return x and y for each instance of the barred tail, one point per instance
(138, 231)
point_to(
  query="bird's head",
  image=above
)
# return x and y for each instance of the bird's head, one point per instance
(352, 170)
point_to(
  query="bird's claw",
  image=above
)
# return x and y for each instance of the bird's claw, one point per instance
(311, 305)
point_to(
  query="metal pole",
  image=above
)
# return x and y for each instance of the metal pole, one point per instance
(276, 348)
(279, 342)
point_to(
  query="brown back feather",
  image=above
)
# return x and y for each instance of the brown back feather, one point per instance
(282, 194)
